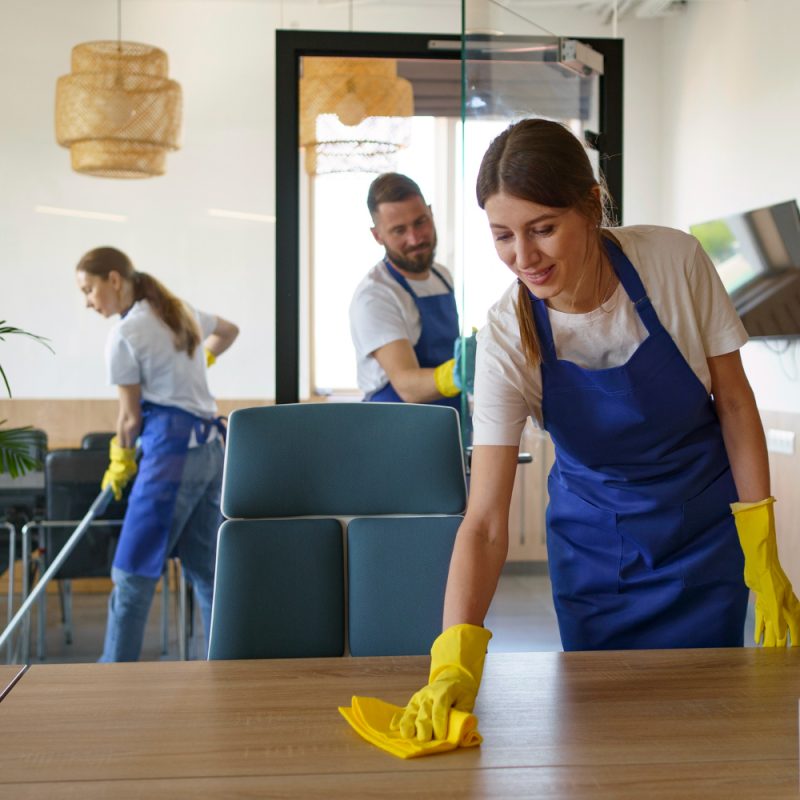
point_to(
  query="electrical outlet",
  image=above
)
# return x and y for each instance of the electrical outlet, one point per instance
(779, 441)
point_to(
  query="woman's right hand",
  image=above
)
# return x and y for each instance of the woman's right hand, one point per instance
(121, 467)
(457, 658)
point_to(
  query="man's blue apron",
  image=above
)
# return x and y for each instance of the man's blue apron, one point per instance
(642, 547)
(439, 318)
(164, 440)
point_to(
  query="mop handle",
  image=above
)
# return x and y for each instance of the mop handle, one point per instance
(97, 508)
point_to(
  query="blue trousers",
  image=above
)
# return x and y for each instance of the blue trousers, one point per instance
(193, 538)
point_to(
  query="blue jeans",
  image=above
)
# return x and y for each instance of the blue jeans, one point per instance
(193, 538)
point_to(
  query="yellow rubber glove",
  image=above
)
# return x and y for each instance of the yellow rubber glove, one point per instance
(443, 377)
(456, 668)
(371, 719)
(121, 467)
(211, 359)
(777, 607)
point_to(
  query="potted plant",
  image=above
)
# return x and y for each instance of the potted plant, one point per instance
(17, 445)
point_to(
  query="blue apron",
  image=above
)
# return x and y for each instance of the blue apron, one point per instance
(642, 547)
(439, 317)
(164, 442)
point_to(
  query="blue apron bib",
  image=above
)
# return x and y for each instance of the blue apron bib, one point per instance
(164, 441)
(642, 547)
(439, 317)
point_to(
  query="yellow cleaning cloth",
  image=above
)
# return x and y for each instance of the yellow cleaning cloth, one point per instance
(370, 718)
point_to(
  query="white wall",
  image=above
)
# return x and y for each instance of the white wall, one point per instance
(221, 52)
(731, 118)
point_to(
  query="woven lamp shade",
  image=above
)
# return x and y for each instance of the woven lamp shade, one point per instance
(354, 114)
(117, 111)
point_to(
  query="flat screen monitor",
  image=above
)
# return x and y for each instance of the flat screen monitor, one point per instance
(757, 254)
(748, 245)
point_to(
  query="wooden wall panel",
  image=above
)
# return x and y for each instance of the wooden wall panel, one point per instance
(66, 421)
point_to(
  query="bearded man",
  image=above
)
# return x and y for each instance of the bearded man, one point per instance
(403, 315)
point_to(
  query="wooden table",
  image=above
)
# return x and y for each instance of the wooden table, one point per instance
(668, 725)
(9, 675)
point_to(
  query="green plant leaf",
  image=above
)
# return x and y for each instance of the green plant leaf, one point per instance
(9, 330)
(17, 446)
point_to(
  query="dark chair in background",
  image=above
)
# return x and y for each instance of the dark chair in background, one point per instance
(97, 440)
(72, 482)
(341, 522)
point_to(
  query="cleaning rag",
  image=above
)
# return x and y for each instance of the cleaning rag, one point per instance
(370, 718)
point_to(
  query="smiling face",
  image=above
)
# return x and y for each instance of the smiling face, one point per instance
(102, 294)
(406, 231)
(549, 249)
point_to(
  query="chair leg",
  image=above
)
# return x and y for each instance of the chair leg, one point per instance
(183, 654)
(165, 610)
(191, 622)
(12, 535)
(24, 639)
(40, 644)
(66, 609)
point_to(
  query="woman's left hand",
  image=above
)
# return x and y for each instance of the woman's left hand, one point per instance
(777, 607)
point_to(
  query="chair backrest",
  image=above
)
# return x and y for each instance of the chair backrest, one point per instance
(72, 482)
(390, 475)
(97, 440)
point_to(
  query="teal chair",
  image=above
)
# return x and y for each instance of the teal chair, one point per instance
(340, 523)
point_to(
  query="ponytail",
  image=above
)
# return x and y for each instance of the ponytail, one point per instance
(171, 309)
(527, 327)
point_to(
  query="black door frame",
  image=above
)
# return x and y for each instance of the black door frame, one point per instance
(290, 46)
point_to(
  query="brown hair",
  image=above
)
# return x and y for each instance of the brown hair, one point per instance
(391, 187)
(543, 162)
(176, 316)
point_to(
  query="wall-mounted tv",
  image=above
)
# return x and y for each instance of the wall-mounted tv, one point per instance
(757, 255)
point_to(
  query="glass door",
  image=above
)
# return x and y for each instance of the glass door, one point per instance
(465, 89)
(512, 69)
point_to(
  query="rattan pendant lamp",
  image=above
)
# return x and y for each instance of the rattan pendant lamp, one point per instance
(354, 114)
(117, 111)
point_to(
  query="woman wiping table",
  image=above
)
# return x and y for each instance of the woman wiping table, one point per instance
(623, 345)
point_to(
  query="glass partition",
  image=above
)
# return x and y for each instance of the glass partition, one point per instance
(465, 89)
(511, 69)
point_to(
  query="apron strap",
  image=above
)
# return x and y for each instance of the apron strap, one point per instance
(203, 428)
(634, 287)
(404, 283)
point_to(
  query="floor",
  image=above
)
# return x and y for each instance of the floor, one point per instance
(521, 618)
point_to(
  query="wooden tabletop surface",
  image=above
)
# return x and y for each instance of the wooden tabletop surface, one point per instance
(637, 724)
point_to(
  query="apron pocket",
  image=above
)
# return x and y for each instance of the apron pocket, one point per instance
(652, 539)
(583, 546)
(712, 553)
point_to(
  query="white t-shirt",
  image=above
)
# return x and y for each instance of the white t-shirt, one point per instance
(687, 295)
(141, 349)
(382, 311)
